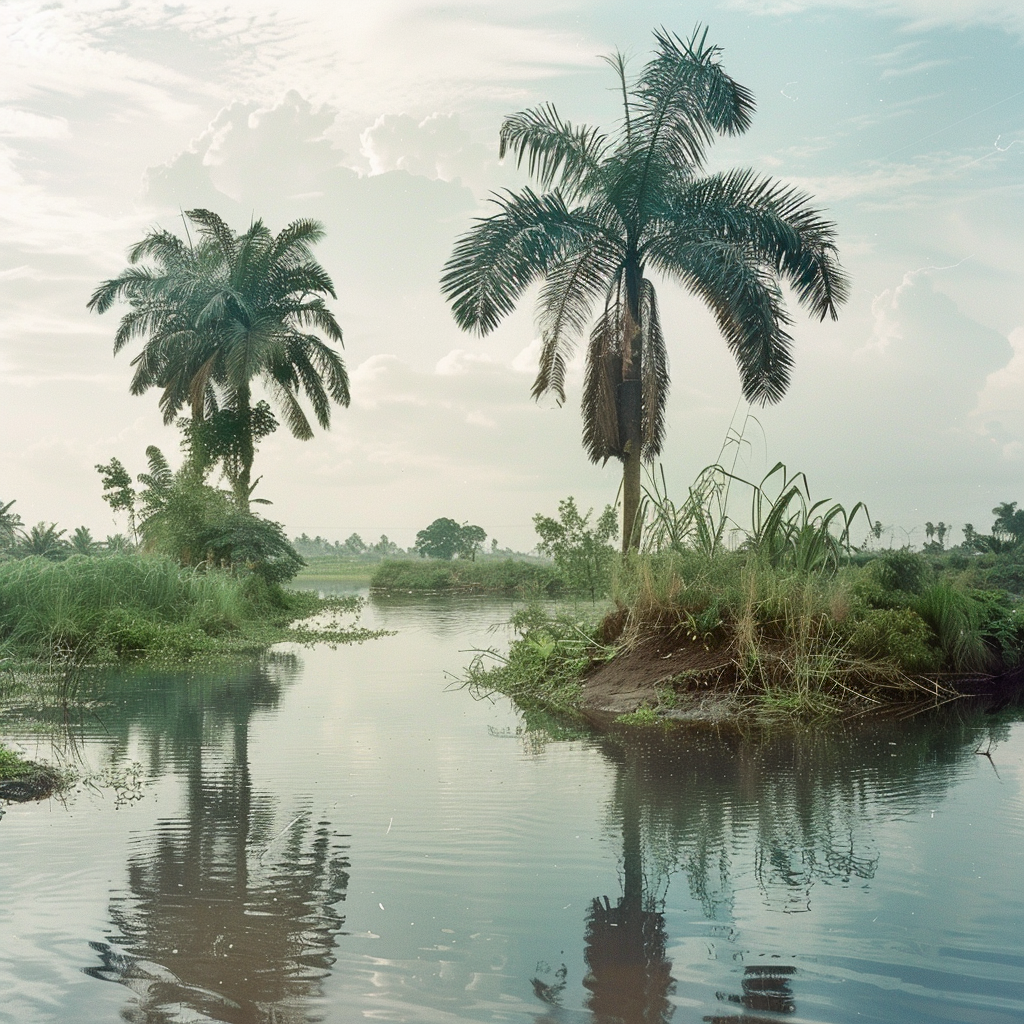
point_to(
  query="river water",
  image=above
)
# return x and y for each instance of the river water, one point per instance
(340, 835)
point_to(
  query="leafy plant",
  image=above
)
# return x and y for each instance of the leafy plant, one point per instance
(581, 552)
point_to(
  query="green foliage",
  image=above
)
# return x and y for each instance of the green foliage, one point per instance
(181, 516)
(581, 552)
(1009, 522)
(45, 540)
(505, 576)
(897, 635)
(82, 542)
(10, 526)
(445, 538)
(128, 606)
(901, 570)
(544, 664)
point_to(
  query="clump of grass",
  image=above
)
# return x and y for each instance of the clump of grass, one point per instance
(21, 779)
(130, 606)
(507, 576)
(543, 669)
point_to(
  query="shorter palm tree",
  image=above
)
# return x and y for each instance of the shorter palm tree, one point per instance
(224, 313)
(10, 525)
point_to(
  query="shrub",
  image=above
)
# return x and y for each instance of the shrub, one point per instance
(898, 635)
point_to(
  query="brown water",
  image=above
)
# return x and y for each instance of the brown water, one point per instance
(338, 836)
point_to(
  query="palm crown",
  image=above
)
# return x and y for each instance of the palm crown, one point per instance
(612, 209)
(225, 311)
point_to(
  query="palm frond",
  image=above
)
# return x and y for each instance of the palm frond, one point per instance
(554, 150)
(776, 221)
(564, 308)
(500, 256)
(602, 434)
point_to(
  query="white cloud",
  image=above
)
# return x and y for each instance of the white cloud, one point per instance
(435, 147)
(26, 125)
(999, 413)
(1007, 14)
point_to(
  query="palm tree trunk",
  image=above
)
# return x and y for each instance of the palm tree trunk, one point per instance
(242, 484)
(630, 411)
(631, 414)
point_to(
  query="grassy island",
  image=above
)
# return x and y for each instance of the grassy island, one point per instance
(733, 636)
(21, 779)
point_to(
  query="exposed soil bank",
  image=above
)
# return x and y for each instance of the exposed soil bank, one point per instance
(688, 683)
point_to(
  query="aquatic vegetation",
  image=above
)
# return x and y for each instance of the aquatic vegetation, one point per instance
(543, 668)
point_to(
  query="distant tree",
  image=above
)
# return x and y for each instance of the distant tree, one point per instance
(355, 545)
(45, 540)
(441, 539)
(941, 529)
(929, 530)
(1009, 522)
(10, 526)
(222, 314)
(118, 543)
(971, 536)
(385, 547)
(494, 545)
(582, 553)
(82, 542)
(471, 539)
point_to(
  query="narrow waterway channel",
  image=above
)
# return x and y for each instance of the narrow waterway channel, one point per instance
(340, 835)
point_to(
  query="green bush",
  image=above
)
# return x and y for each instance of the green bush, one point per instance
(898, 635)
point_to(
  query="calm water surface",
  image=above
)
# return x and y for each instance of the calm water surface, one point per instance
(337, 836)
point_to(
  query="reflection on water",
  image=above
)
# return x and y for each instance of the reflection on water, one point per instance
(626, 878)
(222, 915)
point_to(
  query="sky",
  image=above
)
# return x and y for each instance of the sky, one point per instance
(903, 118)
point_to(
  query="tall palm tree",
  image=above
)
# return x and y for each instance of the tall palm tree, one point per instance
(223, 312)
(616, 208)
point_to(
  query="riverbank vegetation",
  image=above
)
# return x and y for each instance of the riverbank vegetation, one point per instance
(790, 622)
(493, 576)
(22, 779)
(126, 607)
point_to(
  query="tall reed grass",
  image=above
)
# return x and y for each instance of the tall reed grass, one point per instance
(121, 604)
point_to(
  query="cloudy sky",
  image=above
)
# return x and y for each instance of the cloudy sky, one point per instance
(904, 118)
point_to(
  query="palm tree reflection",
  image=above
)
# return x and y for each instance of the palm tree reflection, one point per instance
(785, 811)
(224, 915)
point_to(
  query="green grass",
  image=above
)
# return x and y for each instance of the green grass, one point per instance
(798, 644)
(24, 779)
(506, 576)
(126, 607)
